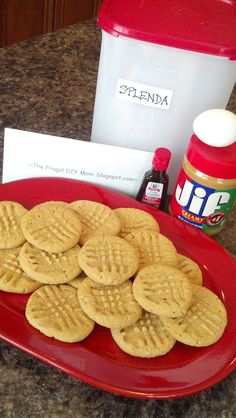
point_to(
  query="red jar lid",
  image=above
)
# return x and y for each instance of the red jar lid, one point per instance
(218, 162)
(206, 26)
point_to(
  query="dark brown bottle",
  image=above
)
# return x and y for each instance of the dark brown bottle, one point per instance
(153, 190)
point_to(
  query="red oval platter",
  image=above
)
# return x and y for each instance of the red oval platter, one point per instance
(97, 360)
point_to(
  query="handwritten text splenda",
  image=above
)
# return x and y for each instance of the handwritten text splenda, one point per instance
(143, 94)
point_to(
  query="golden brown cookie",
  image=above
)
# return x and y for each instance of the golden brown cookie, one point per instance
(96, 219)
(163, 290)
(153, 248)
(204, 322)
(190, 268)
(11, 235)
(50, 268)
(108, 260)
(12, 277)
(53, 227)
(146, 338)
(110, 306)
(55, 311)
(132, 219)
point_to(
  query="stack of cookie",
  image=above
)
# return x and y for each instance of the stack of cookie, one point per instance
(84, 263)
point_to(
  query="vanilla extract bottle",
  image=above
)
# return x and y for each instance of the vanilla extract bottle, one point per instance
(153, 190)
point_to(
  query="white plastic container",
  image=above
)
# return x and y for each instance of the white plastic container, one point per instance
(162, 63)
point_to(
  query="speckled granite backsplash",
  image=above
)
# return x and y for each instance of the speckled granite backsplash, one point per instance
(48, 85)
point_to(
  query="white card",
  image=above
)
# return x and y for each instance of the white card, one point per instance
(28, 154)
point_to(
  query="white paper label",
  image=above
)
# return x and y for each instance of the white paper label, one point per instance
(143, 94)
(154, 190)
(28, 154)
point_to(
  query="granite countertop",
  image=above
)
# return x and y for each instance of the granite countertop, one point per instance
(48, 85)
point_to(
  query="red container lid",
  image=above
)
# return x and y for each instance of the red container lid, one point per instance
(218, 162)
(206, 26)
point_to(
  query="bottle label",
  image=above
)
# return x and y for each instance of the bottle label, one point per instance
(203, 207)
(153, 193)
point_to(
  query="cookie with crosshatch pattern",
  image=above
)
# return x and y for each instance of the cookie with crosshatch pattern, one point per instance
(50, 268)
(132, 219)
(96, 219)
(108, 260)
(204, 322)
(56, 312)
(110, 306)
(12, 277)
(51, 227)
(163, 290)
(11, 234)
(146, 338)
(152, 247)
